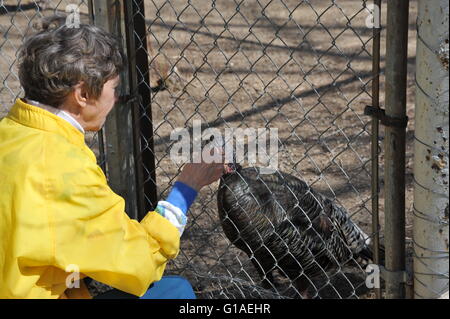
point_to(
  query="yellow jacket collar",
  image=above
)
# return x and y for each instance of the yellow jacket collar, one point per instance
(33, 116)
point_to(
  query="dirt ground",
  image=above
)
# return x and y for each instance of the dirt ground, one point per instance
(303, 67)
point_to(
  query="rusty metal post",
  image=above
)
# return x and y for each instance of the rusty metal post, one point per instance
(374, 137)
(395, 132)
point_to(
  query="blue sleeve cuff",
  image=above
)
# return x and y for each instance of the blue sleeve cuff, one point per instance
(182, 196)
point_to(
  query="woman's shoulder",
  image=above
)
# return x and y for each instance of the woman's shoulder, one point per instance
(33, 145)
(73, 172)
(60, 148)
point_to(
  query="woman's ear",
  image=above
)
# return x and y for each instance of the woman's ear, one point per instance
(80, 94)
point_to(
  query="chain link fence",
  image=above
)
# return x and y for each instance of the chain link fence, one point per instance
(303, 67)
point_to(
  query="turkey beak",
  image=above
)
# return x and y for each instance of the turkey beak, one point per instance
(234, 166)
(229, 167)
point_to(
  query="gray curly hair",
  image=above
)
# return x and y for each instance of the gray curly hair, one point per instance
(54, 60)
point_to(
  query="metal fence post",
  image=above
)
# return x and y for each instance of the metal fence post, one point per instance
(142, 114)
(431, 158)
(396, 70)
(374, 140)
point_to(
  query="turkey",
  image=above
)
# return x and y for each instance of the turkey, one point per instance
(281, 223)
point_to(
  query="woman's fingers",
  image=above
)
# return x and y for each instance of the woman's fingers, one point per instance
(202, 174)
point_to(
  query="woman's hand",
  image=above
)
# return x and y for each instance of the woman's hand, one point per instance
(198, 175)
(202, 174)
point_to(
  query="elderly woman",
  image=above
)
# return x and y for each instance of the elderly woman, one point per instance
(57, 212)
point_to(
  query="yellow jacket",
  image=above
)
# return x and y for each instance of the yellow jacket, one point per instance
(57, 213)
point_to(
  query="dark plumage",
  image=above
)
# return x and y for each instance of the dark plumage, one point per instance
(281, 223)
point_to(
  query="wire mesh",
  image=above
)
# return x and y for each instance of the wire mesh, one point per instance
(303, 67)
